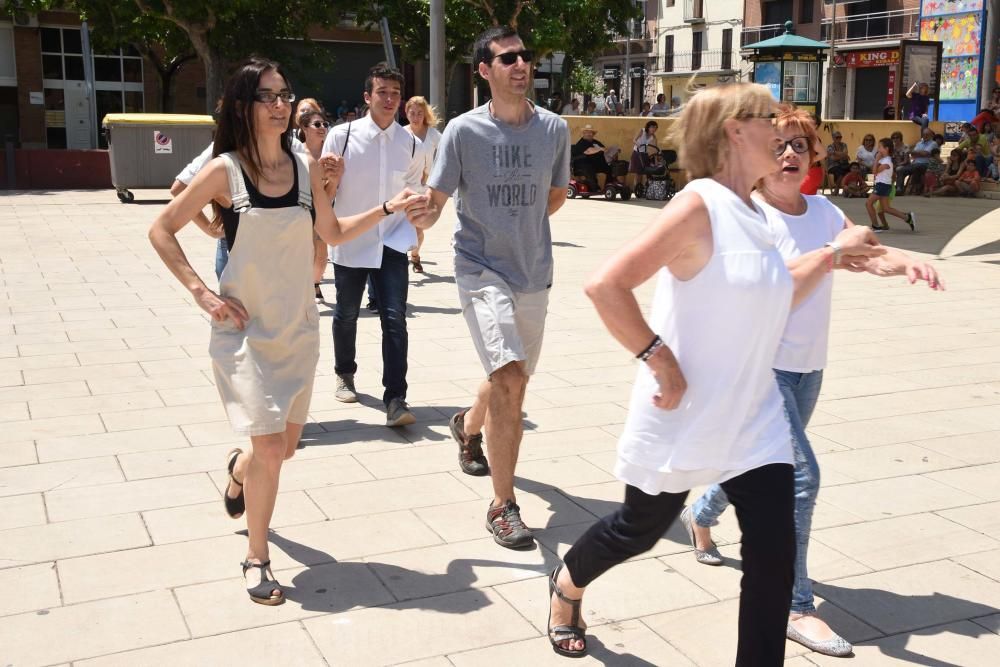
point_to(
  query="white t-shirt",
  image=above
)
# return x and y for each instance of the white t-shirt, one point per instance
(885, 176)
(191, 170)
(806, 337)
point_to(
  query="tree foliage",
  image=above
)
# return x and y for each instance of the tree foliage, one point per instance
(584, 79)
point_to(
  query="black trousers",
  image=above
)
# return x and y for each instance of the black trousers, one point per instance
(764, 499)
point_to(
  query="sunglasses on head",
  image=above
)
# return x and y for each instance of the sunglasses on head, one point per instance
(509, 58)
(319, 124)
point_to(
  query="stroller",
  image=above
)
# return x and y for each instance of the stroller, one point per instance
(655, 165)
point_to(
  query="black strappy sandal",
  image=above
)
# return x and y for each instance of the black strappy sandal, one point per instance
(234, 506)
(263, 593)
(562, 633)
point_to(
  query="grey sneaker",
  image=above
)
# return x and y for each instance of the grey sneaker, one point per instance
(504, 521)
(398, 413)
(470, 448)
(836, 646)
(345, 389)
(710, 556)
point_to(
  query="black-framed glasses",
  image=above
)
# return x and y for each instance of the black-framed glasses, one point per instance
(509, 58)
(270, 97)
(799, 144)
(320, 124)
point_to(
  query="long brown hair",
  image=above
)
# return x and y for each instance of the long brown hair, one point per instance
(236, 130)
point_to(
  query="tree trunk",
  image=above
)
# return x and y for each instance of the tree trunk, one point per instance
(215, 71)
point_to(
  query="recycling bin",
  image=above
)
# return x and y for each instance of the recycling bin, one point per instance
(148, 150)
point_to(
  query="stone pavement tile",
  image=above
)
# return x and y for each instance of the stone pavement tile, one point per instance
(37, 429)
(916, 596)
(450, 568)
(983, 518)
(826, 515)
(446, 624)
(161, 352)
(53, 391)
(17, 454)
(632, 589)
(21, 511)
(117, 333)
(193, 522)
(457, 522)
(410, 461)
(955, 375)
(73, 372)
(313, 474)
(388, 495)
(986, 563)
(11, 378)
(223, 606)
(963, 643)
(66, 539)
(85, 405)
(708, 634)
(172, 416)
(900, 428)
(14, 412)
(566, 396)
(356, 537)
(625, 644)
(110, 444)
(916, 401)
(972, 448)
(93, 629)
(317, 443)
(571, 442)
(189, 394)
(107, 347)
(29, 588)
(437, 661)
(991, 623)
(624, 372)
(561, 472)
(148, 494)
(821, 418)
(885, 461)
(58, 476)
(980, 480)
(275, 645)
(151, 568)
(897, 496)
(872, 384)
(211, 433)
(189, 379)
(905, 540)
(176, 365)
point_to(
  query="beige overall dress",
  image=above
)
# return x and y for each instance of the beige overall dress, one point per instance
(265, 372)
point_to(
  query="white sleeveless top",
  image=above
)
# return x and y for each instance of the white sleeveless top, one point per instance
(724, 326)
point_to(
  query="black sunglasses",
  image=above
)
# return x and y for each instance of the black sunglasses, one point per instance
(509, 58)
(319, 123)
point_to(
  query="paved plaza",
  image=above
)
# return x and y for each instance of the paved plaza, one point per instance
(114, 548)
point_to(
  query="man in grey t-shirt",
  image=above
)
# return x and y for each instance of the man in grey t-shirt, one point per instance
(508, 163)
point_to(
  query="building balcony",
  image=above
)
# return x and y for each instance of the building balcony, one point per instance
(897, 24)
(640, 32)
(758, 33)
(686, 62)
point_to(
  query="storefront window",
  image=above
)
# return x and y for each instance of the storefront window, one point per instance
(801, 83)
(55, 118)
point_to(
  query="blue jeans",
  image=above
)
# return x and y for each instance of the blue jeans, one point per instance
(391, 282)
(983, 163)
(922, 121)
(800, 392)
(221, 257)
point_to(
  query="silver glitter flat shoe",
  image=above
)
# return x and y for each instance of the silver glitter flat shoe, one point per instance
(836, 646)
(709, 556)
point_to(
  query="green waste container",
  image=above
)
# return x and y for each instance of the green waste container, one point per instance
(148, 150)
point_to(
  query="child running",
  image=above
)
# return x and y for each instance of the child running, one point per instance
(883, 188)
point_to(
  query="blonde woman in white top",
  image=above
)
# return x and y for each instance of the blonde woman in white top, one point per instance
(705, 407)
(423, 122)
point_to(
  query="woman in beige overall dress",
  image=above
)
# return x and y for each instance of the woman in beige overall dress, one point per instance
(265, 337)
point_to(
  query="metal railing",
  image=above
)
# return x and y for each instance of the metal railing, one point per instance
(897, 24)
(693, 61)
(758, 33)
(639, 31)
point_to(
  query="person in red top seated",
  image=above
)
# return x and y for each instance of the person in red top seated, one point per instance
(816, 174)
(983, 117)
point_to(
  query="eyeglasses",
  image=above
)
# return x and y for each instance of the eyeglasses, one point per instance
(319, 124)
(766, 116)
(269, 97)
(509, 58)
(799, 144)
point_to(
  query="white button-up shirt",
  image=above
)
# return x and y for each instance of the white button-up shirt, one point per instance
(377, 165)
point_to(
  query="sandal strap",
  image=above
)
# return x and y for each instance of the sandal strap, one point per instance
(560, 633)
(574, 604)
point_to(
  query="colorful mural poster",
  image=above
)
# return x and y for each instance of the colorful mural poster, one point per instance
(960, 78)
(942, 7)
(959, 34)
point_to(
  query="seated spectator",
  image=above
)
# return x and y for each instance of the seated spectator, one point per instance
(588, 157)
(979, 149)
(661, 108)
(988, 131)
(939, 140)
(591, 109)
(935, 170)
(645, 110)
(853, 183)
(966, 185)
(984, 116)
(900, 151)
(915, 169)
(572, 109)
(838, 161)
(919, 96)
(866, 154)
(995, 165)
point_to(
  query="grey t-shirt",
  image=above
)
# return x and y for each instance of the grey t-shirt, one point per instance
(501, 176)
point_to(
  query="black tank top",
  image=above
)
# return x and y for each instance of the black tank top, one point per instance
(231, 219)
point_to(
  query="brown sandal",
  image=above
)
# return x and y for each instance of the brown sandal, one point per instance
(417, 266)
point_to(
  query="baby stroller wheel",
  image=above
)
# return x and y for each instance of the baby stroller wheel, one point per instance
(571, 192)
(610, 192)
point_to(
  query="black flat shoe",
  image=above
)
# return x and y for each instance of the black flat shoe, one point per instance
(234, 506)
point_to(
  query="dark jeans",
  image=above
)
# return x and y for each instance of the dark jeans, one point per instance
(391, 282)
(764, 501)
(916, 171)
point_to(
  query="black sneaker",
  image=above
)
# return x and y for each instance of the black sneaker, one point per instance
(508, 530)
(470, 448)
